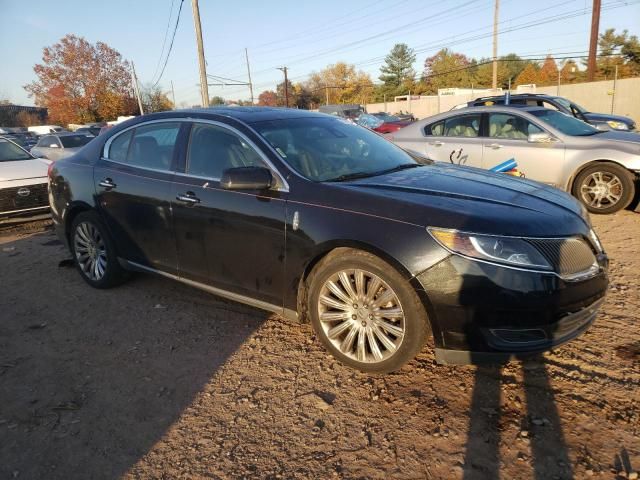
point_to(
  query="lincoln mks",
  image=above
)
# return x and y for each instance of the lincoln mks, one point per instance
(320, 220)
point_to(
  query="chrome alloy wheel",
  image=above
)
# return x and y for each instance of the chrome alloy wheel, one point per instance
(601, 190)
(361, 316)
(90, 250)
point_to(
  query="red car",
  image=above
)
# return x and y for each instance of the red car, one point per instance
(382, 122)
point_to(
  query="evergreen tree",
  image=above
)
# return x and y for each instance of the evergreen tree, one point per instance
(398, 67)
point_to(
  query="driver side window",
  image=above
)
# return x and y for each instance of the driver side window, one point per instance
(506, 126)
(213, 149)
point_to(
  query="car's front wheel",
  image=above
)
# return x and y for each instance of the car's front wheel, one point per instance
(604, 187)
(365, 313)
(93, 252)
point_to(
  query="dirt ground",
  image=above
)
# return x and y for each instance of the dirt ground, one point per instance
(157, 380)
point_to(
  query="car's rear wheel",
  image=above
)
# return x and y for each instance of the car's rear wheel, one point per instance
(365, 313)
(94, 253)
(604, 187)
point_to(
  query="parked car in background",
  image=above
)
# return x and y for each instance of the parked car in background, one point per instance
(61, 145)
(25, 139)
(564, 105)
(350, 111)
(95, 131)
(45, 129)
(600, 168)
(23, 183)
(378, 124)
(314, 218)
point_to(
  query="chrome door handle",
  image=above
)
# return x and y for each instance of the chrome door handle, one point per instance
(188, 197)
(107, 183)
(437, 143)
(495, 146)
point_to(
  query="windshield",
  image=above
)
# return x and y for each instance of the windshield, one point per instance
(10, 152)
(569, 105)
(329, 149)
(369, 121)
(73, 141)
(565, 123)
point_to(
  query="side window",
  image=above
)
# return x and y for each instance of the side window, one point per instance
(504, 125)
(120, 146)
(462, 126)
(44, 141)
(550, 106)
(435, 129)
(152, 145)
(213, 149)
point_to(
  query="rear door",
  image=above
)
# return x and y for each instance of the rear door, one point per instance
(133, 188)
(456, 140)
(233, 240)
(506, 138)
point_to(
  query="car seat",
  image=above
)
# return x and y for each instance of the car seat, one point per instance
(145, 152)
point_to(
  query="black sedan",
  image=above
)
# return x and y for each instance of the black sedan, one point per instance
(320, 220)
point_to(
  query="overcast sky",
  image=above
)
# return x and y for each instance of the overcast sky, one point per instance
(304, 35)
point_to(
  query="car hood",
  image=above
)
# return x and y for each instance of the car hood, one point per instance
(23, 169)
(618, 136)
(474, 200)
(603, 117)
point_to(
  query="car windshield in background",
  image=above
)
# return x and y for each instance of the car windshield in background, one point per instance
(387, 118)
(10, 152)
(328, 149)
(74, 141)
(566, 124)
(570, 106)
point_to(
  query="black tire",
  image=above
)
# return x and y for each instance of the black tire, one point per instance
(112, 273)
(623, 187)
(414, 321)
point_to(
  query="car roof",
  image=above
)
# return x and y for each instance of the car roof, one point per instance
(62, 134)
(254, 114)
(516, 95)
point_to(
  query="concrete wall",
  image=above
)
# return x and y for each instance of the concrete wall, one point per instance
(593, 96)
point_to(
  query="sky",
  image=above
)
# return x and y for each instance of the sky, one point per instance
(303, 35)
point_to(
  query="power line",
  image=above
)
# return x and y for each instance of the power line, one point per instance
(173, 37)
(164, 42)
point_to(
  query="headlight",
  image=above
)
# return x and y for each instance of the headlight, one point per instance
(596, 240)
(503, 250)
(618, 125)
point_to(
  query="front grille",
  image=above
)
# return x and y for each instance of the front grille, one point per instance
(11, 200)
(568, 256)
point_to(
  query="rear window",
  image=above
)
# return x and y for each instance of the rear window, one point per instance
(75, 141)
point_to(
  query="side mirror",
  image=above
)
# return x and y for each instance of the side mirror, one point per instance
(246, 178)
(540, 138)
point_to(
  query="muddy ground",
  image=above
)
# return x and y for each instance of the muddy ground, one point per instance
(157, 380)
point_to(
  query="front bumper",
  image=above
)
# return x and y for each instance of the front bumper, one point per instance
(483, 312)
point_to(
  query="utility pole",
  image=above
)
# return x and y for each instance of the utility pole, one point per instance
(246, 56)
(286, 87)
(204, 88)
(326, 89)
(613, 93)
(173, 95)
(593, 42)
(494, 83)
(136, 90)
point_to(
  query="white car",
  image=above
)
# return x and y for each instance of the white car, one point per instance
(44, 129)
(23, 183)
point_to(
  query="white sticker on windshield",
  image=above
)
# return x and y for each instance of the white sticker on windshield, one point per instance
(279, 150)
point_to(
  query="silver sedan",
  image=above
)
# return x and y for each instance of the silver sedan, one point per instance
(60, 145)
(600, 168)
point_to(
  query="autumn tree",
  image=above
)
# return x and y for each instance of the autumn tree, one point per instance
(618, 50)
(528, 76)
(80, 82)
(548, 73)
(446, 69)
(482, 75)
(343, 83)
(570, 73)
(216, 100)
(268, 98)
(154, 99)
(281, 93)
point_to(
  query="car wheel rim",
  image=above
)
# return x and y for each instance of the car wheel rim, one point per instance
(361, 316)
(90, 250)
(601, 190)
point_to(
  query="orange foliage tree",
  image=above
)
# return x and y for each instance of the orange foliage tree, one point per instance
(81, 82)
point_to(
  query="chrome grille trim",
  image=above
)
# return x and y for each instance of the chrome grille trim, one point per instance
(569, 257)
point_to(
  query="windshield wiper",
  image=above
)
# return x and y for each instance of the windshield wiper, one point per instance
(356, 175)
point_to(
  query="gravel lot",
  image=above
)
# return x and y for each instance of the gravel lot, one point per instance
(157, 380)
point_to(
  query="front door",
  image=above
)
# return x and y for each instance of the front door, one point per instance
(233, 240)
(456, 140)
(507, 138)
(133, 188)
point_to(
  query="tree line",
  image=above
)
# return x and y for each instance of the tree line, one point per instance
(81, 82)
